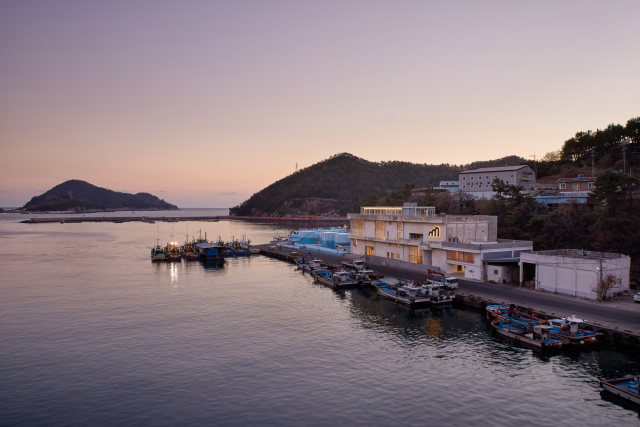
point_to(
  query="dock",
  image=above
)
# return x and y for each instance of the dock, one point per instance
(617, 326)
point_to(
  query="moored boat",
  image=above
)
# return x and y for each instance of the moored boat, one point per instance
(626, 388)
(400, 292)
(539, 338)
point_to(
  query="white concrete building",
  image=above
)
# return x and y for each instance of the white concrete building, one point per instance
(477, 182)
(575, 272)
(416, 238)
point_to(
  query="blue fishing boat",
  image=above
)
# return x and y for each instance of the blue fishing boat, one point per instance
(625, 388)
(401, 292)
(540, 337)
(567, 328)
(210, 252)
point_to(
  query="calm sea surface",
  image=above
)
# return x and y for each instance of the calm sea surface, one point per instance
(93, 333)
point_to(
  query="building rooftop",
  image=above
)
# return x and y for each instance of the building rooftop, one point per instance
(496, 169)
(579, 179)
(579, 253)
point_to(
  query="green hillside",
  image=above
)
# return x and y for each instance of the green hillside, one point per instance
(80, 196)
(339, 184)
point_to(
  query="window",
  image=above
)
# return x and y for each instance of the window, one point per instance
(488, 183)
(495, 271)
(480, 177)
(507, 182)
(487, 176)
(357, 227)
(355, 242)
(381, 229)
(399, 235)
(471, 177)
(369, 250)
(415, 255)
(400, 226)
(459, 256)
(398, 256)
(512, 176)
(592, 185)
(415, 236)
(577, 186)
(387, 254)
(464, 186)
(563, 186)
(495, 176)
(392, 255)
(464, 178)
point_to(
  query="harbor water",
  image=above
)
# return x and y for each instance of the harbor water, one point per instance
(93, 333)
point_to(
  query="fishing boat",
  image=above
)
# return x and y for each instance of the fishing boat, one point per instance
(539, 338)
(400, 292)
(567, 328)
(173, 251)
(158, 253)
(625, 388)
(436, 294)
(210, 252)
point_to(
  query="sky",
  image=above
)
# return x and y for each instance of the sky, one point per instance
(204, 103)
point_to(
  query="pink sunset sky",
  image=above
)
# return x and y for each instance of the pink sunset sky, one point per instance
(206, 103)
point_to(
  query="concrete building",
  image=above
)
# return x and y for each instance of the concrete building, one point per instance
(575, 272)
(416, 238)
(567, 190)
(477, 182)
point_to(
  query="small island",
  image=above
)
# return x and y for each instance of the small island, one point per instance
(80, 196)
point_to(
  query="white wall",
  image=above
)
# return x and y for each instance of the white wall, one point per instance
(578, 276)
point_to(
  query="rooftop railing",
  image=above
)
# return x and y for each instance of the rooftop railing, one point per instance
(404, 211)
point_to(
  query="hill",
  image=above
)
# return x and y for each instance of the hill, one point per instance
(337, 185)
(81, 196)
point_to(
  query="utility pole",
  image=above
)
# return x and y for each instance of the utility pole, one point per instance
(534, 164)
(624, 142)
(296, 167)
(593, 156)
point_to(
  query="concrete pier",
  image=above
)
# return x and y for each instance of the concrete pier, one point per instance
(618, 321)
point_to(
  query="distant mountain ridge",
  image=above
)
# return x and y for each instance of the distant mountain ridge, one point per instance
(81, 196)
(337, 185)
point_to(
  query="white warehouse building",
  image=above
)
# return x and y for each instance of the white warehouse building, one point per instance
(416, 238)
(576, 272)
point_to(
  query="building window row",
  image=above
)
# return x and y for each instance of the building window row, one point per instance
(460, 256)
(369, 250)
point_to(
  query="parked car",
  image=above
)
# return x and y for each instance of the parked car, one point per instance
(636, 297)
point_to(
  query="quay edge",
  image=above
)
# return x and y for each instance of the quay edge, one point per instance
(612, 335)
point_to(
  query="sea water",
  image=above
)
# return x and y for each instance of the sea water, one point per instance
(93, 333)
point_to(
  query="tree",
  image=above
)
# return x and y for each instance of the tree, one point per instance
(430, 195)
(552, 156)
(609, 282)
(516, 211)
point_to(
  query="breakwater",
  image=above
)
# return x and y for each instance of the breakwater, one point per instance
(77, 218)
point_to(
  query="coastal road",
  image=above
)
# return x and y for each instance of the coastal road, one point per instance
(621, 312)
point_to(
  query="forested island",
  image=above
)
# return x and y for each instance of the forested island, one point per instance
(337, 185)
(80, 196)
